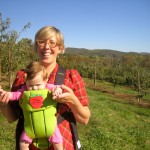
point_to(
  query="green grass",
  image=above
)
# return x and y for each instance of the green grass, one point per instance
(7, 134)
(114, 125)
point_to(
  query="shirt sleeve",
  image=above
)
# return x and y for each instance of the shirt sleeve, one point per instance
(74, 80)
(50, 86)
(17, 84)
(19, 81)
(18, 94)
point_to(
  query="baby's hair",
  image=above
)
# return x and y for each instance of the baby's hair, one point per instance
(33, 69)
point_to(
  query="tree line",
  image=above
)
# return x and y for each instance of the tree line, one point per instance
(128, 70)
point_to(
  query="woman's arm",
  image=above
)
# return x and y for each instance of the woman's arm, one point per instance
(81, 113)
(8, 112)
(6, 109)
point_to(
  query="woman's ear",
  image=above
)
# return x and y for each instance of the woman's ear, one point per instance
(61, 50)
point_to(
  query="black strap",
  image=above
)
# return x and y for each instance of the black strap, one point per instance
(74, 131)
(59, 79)
(68, 115)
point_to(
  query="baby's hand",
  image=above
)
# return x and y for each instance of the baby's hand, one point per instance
(2, 92)
(57, 92)
(4, 97)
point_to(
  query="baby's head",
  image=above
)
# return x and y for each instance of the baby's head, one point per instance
(36, 76)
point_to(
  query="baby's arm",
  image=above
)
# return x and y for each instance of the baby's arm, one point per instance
(12, 95)
(2, 93)
(18, 94)
(57, 92)
(15, 95)
(56, 89)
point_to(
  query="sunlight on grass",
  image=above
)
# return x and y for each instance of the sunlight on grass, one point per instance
(115, 125)
(7, 134)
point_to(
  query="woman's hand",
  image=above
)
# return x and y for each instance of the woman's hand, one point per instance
(67, 97)
(81, 113)
(4, 97)
(5, 109)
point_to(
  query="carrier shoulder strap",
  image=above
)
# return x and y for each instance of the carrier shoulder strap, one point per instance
(59, 79)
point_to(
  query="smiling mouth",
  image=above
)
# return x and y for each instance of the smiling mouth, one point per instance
(46, 53)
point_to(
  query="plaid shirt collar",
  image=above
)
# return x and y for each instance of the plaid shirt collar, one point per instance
(52, 76)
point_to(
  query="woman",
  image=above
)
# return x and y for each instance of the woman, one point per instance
(49, 43)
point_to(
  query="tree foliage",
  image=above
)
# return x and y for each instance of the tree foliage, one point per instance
(14, 54)
(128, 70)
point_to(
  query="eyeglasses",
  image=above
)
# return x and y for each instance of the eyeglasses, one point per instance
(51, 44)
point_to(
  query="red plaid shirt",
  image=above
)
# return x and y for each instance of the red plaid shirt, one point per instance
(74, 81)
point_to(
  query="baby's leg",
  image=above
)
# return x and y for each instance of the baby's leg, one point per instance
(24, 145)
(25, 141)
(57, 139)
(58, 146)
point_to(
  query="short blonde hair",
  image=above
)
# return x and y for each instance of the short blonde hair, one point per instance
(33, 69)
(46, 33)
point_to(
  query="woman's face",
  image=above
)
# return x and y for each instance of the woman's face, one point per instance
(48, 50)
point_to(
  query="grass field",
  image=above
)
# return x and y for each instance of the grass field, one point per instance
(115, 124)
(7, 131)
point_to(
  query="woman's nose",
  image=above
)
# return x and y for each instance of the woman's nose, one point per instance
(47, 45)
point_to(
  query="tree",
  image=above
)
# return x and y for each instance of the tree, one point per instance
(4, 25)
(8, 40)
(25, 52)
(140, 79)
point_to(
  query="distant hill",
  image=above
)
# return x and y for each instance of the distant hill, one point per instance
(99, 52)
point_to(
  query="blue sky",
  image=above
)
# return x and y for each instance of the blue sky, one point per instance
(122, 25)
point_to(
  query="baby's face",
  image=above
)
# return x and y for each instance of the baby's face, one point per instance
(36, 83)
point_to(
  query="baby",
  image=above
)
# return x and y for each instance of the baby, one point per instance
(36, 98)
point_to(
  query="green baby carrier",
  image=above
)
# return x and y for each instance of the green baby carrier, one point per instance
(42, 143)
(39, 112)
